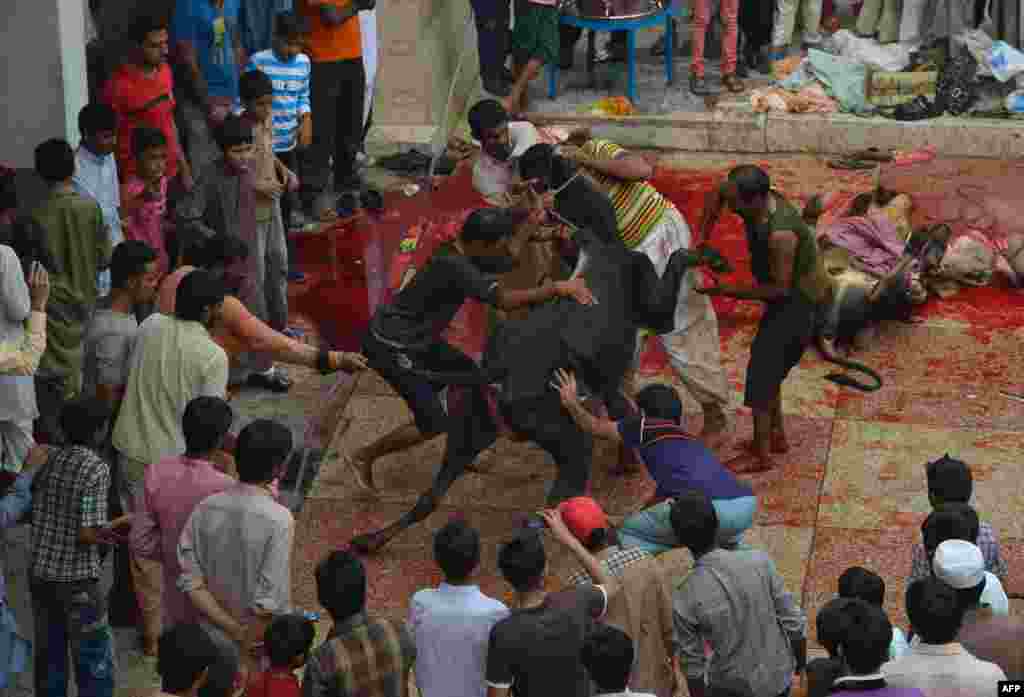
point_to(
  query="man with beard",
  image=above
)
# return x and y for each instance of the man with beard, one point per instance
(501, 145)
(404, 339)
(789, 280)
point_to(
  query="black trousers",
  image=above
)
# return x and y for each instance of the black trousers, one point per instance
(337, 94)
(756, 20)
(492, 22)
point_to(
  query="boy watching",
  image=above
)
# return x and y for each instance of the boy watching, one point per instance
(864, 648)
(224, 202)
(860, 584)
(187, 657)
(451, 624)
(608, 657)
(288, 69)
(96, 172)
(950, 481)
(145, 193)
(77, 241)
(268, 251)
(288, 639)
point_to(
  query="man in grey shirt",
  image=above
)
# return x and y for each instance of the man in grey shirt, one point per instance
(110, 335)
(235, 550)
(735, 600)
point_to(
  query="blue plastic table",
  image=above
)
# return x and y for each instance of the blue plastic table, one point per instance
(630, 26)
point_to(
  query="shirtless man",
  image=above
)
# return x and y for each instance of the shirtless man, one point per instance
(788, 280)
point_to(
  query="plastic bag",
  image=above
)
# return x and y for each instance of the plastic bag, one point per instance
(979, 44)
(1004, 61)
(888, 57)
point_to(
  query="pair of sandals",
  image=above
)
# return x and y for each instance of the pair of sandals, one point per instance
(861, 160)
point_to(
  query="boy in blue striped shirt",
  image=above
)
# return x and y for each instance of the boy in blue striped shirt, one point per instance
(288, 69)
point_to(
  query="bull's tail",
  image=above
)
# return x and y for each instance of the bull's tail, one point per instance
(847, 380)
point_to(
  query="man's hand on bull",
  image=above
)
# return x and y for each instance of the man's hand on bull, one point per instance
(576, 289)
(349, 362)
(565, 383)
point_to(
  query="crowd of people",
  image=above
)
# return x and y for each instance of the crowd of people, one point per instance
(755, 35)
(151, 281)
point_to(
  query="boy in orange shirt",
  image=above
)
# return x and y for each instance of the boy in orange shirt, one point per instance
(337, 96)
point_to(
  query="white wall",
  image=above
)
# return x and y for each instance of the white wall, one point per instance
(43, 81)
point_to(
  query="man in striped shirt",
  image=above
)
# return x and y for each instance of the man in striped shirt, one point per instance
(288, 69)
(650, 223)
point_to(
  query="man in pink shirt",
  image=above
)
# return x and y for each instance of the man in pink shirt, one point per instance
(172, 488)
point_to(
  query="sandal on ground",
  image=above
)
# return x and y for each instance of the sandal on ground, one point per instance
(732, 83)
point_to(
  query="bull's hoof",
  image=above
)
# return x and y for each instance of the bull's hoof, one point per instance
(370, 543)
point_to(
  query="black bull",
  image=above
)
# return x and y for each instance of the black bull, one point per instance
(595, 342)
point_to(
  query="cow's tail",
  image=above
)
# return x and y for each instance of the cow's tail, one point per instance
(847, 380)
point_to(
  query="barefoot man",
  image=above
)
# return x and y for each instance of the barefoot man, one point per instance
(784, 261)
(404, 343)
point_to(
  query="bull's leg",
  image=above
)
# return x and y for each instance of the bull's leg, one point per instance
(471, 433)
(571, 448)
(656, 298)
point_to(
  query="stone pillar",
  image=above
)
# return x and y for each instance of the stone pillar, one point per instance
(43, 73)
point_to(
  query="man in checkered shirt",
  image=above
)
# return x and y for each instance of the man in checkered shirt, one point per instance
(69, 522)
(643, 607)
(950, 481)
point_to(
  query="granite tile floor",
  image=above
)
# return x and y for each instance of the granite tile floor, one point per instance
(851, 491)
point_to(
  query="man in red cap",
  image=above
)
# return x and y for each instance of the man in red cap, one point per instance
(643, 607)
(535, 651)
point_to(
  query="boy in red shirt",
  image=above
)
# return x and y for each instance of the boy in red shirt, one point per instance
(288, 639)
(142, 94)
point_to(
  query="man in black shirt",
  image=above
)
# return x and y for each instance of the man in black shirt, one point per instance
(404, 338)
(536, 650)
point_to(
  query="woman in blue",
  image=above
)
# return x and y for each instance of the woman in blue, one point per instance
(676, 461)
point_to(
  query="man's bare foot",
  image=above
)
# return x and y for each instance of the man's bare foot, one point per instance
(750, 462)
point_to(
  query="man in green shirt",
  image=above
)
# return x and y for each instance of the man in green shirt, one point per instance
(788, 280)
(77, 240)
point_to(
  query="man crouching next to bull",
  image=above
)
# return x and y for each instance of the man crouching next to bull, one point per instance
(789, 281)
(404, 344)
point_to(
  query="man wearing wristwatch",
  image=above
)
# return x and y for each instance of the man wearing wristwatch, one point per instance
(404, 339)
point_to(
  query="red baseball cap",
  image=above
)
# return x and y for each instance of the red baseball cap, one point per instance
(583, 515)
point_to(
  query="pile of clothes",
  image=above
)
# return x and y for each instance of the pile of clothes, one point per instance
(906, 81)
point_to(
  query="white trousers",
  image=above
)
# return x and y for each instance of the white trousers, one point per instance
(693, 346)
(371, 57)
(785, 21)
